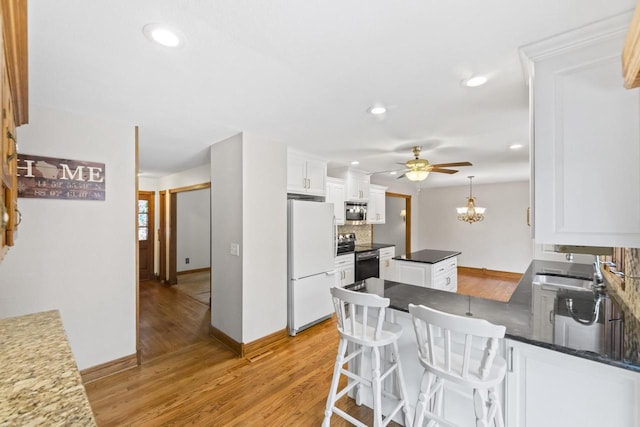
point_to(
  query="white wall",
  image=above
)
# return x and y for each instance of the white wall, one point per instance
(264, 237)
(501, 242)
(248, 206)
(393, 231)
(193, 229)
(226, 228)
(78, 256)
(404, 187)
(186, 178)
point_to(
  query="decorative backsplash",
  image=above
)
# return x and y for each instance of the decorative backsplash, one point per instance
(630, 291)
(363, 232)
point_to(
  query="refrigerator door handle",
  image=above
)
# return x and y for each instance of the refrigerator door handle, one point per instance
(335, 237)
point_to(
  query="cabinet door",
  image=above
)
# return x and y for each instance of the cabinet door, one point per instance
(296, 173)
(335, 195)
(376, 206)
(349, 275)
(413, 273)
(387, 269)
(316, 174)
(586, 151)
(357, 186)
(552, 389)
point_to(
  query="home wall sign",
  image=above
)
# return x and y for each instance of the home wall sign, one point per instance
(52, 178)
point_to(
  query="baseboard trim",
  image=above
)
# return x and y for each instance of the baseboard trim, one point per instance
(109, 368)
(225, 339)
(253, 349)
(483, 272)
(195, 270)
(264, 344)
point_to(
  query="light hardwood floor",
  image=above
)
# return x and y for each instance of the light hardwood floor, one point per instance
(203, 383)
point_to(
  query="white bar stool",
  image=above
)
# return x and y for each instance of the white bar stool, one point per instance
(460, 361)
(362, 328)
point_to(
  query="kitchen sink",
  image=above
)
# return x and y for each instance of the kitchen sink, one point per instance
(563, 282)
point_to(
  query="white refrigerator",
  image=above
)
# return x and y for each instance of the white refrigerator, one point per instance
(311, 257)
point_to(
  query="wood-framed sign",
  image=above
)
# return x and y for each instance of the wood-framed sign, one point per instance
(52, 178)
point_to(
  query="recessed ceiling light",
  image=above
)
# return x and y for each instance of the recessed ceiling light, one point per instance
(393, 173)
(355, 162)
(475, 81)
(516, 146)
(377, 110)
(163, 35)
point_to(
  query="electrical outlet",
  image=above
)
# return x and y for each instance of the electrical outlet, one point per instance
(186, 260)
(234, 249)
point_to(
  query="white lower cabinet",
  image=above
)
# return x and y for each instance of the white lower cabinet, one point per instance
(552, 389)
(345, 270)
(442, 275)
(387, 269)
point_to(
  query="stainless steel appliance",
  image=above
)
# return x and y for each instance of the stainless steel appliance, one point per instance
(355, 213)
(346, 243)
(367, 264)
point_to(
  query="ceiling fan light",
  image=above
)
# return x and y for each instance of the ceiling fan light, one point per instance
(417, 175)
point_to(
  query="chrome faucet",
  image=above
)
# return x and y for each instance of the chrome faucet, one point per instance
(597, 273)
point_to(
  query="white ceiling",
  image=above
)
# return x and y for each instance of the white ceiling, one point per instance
(305, 73)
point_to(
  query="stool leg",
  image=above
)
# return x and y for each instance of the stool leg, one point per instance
(480, 406)
(376, 386)
(402, 389)
(423, 399)
(331, 400)
(495, 401)
(359, 369)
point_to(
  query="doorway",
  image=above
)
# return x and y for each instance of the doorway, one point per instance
(397, 227)
(146, 229)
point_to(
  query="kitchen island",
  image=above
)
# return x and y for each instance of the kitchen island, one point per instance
(428, 268)
(548, 383)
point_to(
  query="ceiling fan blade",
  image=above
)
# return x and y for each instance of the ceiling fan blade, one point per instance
(449, 171)
(385, 171)
(403, 164)
(452, 164)
(402, 176)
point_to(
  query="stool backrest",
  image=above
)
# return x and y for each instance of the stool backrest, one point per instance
(360, 315)
(434, 332)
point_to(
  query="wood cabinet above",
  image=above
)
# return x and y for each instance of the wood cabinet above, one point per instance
(15, 111)
(631, 53)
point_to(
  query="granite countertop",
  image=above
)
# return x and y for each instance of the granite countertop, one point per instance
(516, 314)
(371, 246)
(39, 379)
(428, 256)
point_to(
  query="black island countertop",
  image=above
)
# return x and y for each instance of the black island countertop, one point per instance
(516, 314)
(428, 256)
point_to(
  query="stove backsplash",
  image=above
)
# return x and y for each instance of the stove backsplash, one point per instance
(363, 232)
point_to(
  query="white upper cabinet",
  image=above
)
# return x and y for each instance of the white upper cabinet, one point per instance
(586, 138)
(305, 175)
(357, 183)
(376, 207)
(336, 195)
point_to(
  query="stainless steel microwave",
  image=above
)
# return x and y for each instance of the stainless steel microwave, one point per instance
(355, 213)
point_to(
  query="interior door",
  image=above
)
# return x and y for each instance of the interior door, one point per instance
(145, 234)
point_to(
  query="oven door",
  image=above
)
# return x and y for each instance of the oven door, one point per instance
(367, 265)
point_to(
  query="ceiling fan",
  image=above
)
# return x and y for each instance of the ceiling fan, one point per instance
(418, 169)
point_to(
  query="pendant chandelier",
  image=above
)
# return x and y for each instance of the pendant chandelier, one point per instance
(470, 213)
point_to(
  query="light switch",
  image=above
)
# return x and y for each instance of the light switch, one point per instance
(234, 249)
